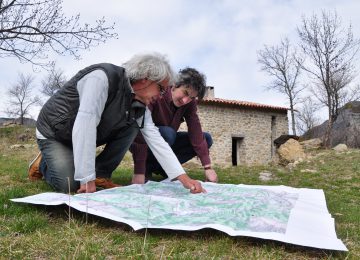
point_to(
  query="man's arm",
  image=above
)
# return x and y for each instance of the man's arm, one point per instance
(93, 93)
(165, 155)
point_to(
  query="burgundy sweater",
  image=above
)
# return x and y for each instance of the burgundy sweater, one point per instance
(164, 113)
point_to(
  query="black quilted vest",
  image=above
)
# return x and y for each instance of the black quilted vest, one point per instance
(57, 117)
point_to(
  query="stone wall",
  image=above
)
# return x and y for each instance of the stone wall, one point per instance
(253, 129)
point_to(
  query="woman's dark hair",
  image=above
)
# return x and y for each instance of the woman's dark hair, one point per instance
(191, 78)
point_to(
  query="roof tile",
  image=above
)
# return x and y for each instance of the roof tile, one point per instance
(241, 104)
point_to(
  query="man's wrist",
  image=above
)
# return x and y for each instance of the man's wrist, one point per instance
(208, 167)
(182, 177)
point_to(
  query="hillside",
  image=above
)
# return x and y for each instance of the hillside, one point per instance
(25, 228)
(7, 120)
(346, 128)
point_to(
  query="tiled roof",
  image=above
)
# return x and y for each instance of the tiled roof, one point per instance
(243, 104)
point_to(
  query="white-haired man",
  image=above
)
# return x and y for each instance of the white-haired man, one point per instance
(103, 104)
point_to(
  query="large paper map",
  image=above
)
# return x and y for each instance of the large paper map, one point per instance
(297, 216)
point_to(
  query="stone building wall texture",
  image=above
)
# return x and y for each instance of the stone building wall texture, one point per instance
(257, 128)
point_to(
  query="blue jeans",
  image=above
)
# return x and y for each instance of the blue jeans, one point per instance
(181, 146)
(57, 163)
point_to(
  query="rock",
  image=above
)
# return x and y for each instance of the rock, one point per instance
(16, 146)
(99, 149)
(29, 146)
(23, 137)
(9, 124)
(265, 176)
(314, 143)
(340, 148)
(345, 130)
(290, 152)
(291, 166)
(309, 170)
(23, 146)
(301, 159)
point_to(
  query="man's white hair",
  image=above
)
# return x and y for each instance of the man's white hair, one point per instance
(152, 66)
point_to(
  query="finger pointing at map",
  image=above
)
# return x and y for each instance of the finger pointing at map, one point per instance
(193, 185)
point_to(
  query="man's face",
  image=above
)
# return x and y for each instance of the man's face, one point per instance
(148, 91)
(183, 95)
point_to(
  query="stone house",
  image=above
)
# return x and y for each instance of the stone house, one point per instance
(243, 132)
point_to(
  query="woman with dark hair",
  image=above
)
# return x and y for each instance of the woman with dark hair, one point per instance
(178, 104)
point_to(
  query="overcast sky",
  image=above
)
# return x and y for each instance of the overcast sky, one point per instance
(219, 38)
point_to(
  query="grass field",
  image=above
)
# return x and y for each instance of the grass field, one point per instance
(40, 232)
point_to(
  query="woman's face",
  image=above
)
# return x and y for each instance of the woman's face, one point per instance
(183, 95)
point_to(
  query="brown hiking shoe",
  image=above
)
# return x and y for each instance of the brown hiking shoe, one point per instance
(34, 170)
(105, 183)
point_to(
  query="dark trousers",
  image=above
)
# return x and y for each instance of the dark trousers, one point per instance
(179, 143)
(57, 163)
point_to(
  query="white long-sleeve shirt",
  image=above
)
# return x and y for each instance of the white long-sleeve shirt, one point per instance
(93, 93)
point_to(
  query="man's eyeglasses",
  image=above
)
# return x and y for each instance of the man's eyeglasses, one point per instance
(162, 89)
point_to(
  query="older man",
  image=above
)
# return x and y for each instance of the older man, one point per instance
(102, 104)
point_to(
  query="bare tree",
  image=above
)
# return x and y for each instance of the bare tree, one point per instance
(306, 116)
(330, 51)
(52, 82)
(21, 97)
(30, 29)
(280, 63)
